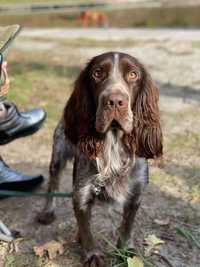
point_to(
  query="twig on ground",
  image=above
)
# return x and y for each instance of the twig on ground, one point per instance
(163, 258)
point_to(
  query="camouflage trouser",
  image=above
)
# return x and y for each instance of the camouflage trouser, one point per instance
(7, 35)
(4, 86)
(4, 80)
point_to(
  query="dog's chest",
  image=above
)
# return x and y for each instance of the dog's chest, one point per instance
(113, 166)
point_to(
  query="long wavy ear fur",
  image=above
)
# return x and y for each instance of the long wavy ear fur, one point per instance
(146, 137)
(79, 117)
(147, 128)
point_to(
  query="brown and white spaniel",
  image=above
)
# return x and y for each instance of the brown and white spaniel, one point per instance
(111, 127)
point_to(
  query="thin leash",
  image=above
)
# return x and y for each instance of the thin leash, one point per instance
(9, 193)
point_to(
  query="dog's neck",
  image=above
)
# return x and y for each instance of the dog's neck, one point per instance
(114, 160)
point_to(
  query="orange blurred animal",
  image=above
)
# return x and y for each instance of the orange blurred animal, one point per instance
(94, 18)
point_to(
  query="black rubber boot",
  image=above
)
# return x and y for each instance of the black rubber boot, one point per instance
(16, 181)
(19, 124)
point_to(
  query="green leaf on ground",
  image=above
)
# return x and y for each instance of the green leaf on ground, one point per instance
(135, 262)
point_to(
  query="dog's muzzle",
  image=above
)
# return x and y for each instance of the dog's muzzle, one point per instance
(114, 112)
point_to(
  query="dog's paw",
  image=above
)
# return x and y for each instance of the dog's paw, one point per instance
(94, 259)
(46, 217)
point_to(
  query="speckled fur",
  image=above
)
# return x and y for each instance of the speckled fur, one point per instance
(110, 161)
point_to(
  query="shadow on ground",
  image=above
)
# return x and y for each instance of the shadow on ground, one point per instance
(186, 93)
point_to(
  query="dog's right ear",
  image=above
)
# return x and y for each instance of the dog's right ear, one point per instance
(77, 110)
(79, 117)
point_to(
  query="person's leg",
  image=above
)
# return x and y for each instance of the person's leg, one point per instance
(11, 124)
(14, 124)
(4, 86)
(3, 111)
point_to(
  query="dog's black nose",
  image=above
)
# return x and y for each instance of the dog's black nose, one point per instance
(117, 100)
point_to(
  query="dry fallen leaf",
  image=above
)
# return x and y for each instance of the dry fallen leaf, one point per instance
(50, 249)
(153, 243)
(162, 222)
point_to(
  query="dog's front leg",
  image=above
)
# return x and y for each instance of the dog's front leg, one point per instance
(92, 256)
(140, 175)
(83, 216)
(61, 152)
(129, 212)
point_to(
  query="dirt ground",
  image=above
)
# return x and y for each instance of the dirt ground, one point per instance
(43, 71)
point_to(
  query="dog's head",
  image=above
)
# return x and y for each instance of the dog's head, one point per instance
(114, 92)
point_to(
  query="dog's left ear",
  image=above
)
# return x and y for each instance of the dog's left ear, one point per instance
(147, 128)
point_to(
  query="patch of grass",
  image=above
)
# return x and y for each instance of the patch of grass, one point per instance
(196, 44)
(170, 183)
(195, 192)
(182, 136)
(190, 141)
(21, 260)
(87, 42)
(42, 20)
(34, 1)
(179, 180)
(41, 83)
(156, 17)
(9, 261)
(119, 257)
(189, 235)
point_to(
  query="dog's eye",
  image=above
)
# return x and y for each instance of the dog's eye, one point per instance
(132, 75)
(98, 73)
